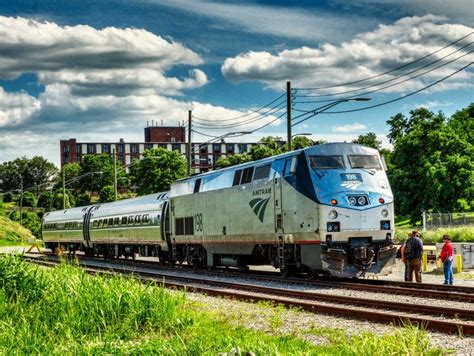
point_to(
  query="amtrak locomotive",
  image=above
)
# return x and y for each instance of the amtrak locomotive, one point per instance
(326, 209)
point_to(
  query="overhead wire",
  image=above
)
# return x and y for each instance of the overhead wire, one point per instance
(395, 78)
(391, 70)
(314, 113)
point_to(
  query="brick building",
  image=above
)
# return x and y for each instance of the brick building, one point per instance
(169, 137)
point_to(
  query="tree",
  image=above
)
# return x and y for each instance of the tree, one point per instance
(46, 201)
(432, 163)
(107, 194)
(29, 199)
(97, 171)
(71, 173)
(58, 200)
(369, 140)
(301, 142)
(82, 199)
(35, 172)
(157, 170)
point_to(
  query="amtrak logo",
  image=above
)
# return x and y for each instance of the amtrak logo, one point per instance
(259, 205)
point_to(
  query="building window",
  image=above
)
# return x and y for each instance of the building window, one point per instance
(90, 148)
(175, 147)
(106, 148)
(173, 139)
(242, 147)
(134, 148)
(120, 148)
(78, 148)
(66, 159)
(148, 146)
(66, 149)
(121, 159)
(78, 158)
(203, 149)
(229, 148)
(216, 148)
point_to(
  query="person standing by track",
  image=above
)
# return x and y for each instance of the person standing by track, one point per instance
(413, 252)
(404, 260)
(447, 257)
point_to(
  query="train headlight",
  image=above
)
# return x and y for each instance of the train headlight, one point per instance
(352, 201)
(333, 214)
(385, 225)
(384, 213)
(361, 201)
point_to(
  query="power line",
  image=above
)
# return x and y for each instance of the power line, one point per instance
(395, 78)
(389, 101)
(391, 70)
(252, 120)
(244, 115)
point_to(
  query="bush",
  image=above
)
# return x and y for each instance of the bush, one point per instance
(58, 200)
(83, 199)
(8, 197)
(33, 223)
(458, 234)
(46, 201)
(107, 194)
(29, 199)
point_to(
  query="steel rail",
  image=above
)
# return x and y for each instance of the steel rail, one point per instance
(304, 300)
(434, 291)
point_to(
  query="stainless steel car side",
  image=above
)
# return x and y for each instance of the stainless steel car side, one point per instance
(325, 209)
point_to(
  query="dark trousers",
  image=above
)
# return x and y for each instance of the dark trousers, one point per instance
(448, 272)
(406, 271)
(414, 266)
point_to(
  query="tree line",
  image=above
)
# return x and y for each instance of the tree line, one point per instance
(430, 167)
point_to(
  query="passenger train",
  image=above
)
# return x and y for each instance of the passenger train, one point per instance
(326, 209)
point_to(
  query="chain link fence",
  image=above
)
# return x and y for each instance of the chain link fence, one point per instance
(432, 221)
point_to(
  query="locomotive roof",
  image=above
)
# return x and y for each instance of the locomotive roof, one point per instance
(333, 148)
(121, 205)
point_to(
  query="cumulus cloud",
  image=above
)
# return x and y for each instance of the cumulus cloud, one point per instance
(91, 61)
(366, 55)
(16, 108)
(350, 128)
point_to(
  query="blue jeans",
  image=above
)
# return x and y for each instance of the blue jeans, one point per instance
(448, 272)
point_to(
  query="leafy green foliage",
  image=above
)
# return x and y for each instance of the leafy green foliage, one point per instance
(97, 171)
(458, 234)
(157, 170)
(369, 140)
(107, 194)
(82, 199)
(432, 164)
(8, 197)
(34, 172)
(29, 199)
(58, 200)
(46, 201)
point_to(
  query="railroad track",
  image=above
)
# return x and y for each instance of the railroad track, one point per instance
(423, 290)
(427, 316)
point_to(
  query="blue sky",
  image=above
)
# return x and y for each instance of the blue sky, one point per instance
(99, 70)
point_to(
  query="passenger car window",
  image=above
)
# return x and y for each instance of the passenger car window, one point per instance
(327, 162)
(364, 161)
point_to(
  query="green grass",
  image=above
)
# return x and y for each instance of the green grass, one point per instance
(458, 234)
(12, 233)
(67, 311)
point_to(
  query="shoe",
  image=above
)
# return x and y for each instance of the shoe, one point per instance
(445, 283)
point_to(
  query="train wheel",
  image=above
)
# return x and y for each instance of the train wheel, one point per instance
(310, 275)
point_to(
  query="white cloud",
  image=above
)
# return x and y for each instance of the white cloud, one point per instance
(94, 61)
(366, 55)
(16, 108)
(282, 21)
(350, 128)
(430, 104)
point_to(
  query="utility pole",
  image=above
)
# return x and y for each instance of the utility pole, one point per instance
(115, 174)
(64, 190)
(288, 113)
(21, 200)
(190, 115)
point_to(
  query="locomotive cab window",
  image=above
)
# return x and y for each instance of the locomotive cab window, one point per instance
(247, 175)
(364, 161)
(327, 162)
(237, 175)
(197, 185)
(262, 172)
